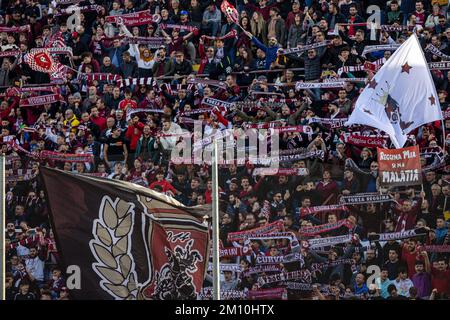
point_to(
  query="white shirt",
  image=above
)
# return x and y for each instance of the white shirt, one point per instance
(35, 266)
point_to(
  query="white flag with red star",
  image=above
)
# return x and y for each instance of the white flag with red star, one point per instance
(401, 96)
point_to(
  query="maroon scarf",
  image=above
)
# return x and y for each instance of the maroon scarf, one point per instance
(25, 28)
(40, 100)
(242, 235)
(178, 26)
(363, 141)
(10, 53)
(312, 231)
(132, 19)
(313, 210)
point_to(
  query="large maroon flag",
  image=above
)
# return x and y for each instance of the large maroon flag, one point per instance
(128, 241)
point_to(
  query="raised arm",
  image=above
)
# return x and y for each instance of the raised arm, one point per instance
(256, 41)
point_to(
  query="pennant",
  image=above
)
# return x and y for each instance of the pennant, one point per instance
(230, 11)
(129, 241)
(400, 97)
(41, 60)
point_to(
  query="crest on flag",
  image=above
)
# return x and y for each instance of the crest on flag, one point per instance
(111, 247)
(230, 11)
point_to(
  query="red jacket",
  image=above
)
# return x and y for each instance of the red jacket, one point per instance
(100, 122)
(133, 134)
(165, 185)
(123, 105)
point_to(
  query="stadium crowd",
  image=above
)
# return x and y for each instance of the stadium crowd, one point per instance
(122, 105)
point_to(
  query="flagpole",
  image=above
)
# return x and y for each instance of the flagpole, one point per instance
(215, 223)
